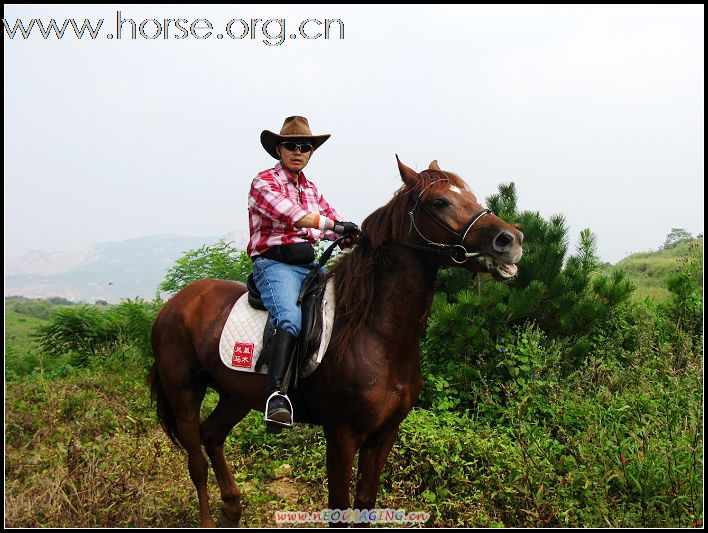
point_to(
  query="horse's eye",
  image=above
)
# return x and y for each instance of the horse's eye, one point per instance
(440, 203)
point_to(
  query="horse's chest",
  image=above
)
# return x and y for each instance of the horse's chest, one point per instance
(388, 401)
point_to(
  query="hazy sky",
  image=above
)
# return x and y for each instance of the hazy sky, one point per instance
(594, 112)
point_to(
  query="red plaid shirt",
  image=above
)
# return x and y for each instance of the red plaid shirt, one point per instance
(276, 202)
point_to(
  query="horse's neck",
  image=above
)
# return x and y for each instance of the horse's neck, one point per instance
(405, 288)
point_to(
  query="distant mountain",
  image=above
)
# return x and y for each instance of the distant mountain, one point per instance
(109, 271)
(126, 269)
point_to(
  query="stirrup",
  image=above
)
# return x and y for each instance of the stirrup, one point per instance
(278, 422)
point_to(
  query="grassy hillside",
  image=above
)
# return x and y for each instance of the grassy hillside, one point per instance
(21, 355)
(22, 318)
(37, 308)
(649, 271)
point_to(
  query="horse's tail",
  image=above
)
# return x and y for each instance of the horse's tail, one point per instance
(165, 414)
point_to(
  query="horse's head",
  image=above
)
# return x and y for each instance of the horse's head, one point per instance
(446, 219)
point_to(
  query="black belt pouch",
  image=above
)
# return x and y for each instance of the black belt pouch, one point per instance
(299, 253)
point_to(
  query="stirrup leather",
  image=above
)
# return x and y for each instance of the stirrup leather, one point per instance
(278, 422)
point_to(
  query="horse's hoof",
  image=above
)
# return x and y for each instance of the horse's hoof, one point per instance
(231, 517)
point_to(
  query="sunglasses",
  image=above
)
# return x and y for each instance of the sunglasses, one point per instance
(291, 147)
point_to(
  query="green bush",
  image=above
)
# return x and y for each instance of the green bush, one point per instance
(83, 332)
(597, 395)
(609, 445)
(221, 261)
(34, 308)
(454, 469)
(686, 287)
(136, 318)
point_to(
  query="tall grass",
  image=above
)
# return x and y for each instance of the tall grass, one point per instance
(86, 331)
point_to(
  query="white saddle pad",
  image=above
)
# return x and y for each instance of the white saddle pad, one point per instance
(242, 338)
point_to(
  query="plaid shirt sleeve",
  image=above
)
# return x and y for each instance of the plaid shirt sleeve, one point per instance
(328, 211)
(269, 200)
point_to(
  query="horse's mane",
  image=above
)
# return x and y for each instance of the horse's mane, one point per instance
(355, 273)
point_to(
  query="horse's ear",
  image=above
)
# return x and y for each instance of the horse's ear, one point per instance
(408, 175)
(434, 165)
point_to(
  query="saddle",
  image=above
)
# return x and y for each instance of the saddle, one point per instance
(310, 302)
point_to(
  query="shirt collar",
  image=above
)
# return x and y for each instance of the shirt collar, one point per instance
(290, 176)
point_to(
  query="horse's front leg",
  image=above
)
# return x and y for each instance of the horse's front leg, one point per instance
(342, 444)
(372, 457)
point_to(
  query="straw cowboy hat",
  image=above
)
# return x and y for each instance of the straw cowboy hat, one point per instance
(294, 128)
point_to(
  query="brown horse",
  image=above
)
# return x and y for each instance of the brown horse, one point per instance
(370, 376)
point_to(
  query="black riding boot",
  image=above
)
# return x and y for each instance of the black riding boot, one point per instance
(278, 407)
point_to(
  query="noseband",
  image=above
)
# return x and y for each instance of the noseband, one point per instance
(457, 252)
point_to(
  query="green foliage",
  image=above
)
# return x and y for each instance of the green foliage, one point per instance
(611, 445)
(220, 261)
(84, 332)
(504, 203)
(616, 445)
(598, 395)
(686, 286)
(616, 442)
(650, 271)
(560, 296)
(58, 300)
(136, 318)
(488, 341)
(678, 321)
(675, 236)
(587, 251)
(21, 354)
(38, 308)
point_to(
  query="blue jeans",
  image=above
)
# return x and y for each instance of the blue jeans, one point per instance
(279, 285)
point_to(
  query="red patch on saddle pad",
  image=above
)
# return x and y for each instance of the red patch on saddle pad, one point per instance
(243, 355)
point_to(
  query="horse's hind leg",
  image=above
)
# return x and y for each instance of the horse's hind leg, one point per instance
(186, 402)
(214, 431)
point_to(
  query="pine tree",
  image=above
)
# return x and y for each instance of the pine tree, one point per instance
(557, 293)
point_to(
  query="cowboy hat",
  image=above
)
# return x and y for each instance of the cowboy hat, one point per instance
(294, 128)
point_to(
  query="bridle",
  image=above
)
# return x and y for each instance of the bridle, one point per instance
(457, 252)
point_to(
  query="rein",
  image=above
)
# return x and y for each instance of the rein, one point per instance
(457, 252)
